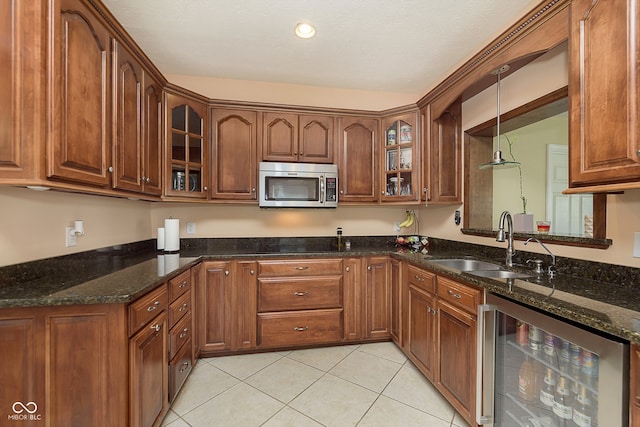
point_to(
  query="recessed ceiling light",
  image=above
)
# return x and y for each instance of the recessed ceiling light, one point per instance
(305, 30)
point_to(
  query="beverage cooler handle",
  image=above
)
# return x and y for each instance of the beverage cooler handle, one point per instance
(485, 368)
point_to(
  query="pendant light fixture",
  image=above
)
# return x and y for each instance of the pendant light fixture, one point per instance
(498, 162)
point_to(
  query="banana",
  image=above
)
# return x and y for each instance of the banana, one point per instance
(411, 220)
(408, 222)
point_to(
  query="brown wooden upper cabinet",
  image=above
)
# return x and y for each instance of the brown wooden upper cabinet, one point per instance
(21, 89)
(399, 171)
(442, 154)
(234, 154)
(289, 137)
(358, 164)
(79, 113)
(604, 123)
(137, 108)
(186, 148)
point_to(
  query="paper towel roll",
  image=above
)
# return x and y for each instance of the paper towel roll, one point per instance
(171, 235)
(160, 243)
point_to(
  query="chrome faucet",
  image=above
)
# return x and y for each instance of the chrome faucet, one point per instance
(552, 268)
(501, 236)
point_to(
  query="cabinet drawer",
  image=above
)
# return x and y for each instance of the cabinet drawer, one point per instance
(147, 307)
(422, 279)
(179, 369)
(180, 334)
(299, 327)
(179, 308)
(302, 267)
(458, 294)
(179, 285)
(299, 293)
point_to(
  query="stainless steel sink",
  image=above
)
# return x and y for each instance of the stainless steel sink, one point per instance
(462, 264)
(499, 274)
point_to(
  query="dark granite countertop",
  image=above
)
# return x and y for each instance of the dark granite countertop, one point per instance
(122, 274)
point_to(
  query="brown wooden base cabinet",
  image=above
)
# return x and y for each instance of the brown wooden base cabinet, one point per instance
(634, 390)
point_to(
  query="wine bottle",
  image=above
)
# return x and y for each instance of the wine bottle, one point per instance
(527, 380)
(562, 404)
(583, 410)
(547, 391)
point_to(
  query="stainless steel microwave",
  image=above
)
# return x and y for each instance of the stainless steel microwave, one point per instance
(297, 185)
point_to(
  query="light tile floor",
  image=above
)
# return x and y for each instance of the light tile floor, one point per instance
(355, 385)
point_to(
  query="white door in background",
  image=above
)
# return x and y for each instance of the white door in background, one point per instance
(566, 212)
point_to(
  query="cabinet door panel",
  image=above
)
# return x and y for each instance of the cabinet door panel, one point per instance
(352, 300)
(245, 301)
(152, 137)
(358, 162)
(422, 330)
(234, 154)
(456, 376)
(21, 370)
(316, 139)
(604, 99)
(79, 116)
(127, 119)
(280, 137)
(148, 358)
(377, 298)
(214, 304)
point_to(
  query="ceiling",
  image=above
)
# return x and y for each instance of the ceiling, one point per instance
(404, 46)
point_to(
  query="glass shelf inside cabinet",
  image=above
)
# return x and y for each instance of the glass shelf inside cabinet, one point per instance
(398, 159)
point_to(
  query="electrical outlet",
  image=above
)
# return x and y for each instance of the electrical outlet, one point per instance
(191, 228)
(396, 226)
(71, 236)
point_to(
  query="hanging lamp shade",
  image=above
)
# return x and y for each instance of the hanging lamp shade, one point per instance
(498, 162)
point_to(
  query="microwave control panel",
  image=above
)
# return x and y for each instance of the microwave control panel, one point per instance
(332, 189)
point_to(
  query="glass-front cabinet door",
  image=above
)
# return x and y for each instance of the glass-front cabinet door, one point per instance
(400, 160)
(186, 148)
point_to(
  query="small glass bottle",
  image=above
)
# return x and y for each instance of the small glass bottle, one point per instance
(583, 410)
(535, 338)
(528, 380)
(547, 392)
(522, 333)
(562, 404)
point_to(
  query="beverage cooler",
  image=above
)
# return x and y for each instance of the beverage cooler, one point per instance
(535, 370)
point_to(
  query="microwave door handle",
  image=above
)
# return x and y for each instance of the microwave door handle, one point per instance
(485, 367)
(322, 190)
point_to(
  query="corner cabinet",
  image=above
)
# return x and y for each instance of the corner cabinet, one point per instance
(442, 153)
(234, 155)
(400, 178)
(186, 148)
(358, 160)
(79, 110)
(604, 145)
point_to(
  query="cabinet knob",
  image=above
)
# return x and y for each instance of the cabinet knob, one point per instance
(382, 192)
(205, 188)
(369, 267)
(148, 180)
(253, 190)
(252, 272)
(183, 307)
(226, 272)
(110, 169)
(348, 269)
(341, 191)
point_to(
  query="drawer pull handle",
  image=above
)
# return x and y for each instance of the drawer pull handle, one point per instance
(300, 294)
(184, 333)
(300, 328)
(153, 307)
(183, 307)
(457, 296)
(184, 367)
(156, 327)
(419, 279)
(301, 268)
(183, 284)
